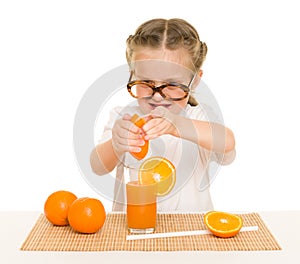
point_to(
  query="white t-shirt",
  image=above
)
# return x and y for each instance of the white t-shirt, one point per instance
(195, 166)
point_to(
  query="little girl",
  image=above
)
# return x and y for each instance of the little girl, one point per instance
(165, 59)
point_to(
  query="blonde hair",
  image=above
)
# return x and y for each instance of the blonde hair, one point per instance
(171, 34)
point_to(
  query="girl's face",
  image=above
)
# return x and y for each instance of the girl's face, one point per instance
(162, 66)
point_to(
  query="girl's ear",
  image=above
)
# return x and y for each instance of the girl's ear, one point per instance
(200, 73)
(197, 79)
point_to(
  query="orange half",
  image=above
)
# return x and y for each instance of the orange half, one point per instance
(158, 170)
(139, 122)
(223, 224)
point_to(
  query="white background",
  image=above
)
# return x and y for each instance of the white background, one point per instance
(52, 51)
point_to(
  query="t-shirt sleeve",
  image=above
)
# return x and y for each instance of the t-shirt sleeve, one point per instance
(114, 114)
(224, 158)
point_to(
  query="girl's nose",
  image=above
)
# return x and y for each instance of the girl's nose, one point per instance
(157, 97)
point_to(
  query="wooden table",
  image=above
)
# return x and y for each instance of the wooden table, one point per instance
(15, 226)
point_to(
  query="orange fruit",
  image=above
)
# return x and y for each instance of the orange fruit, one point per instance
(57, 206)
(158, 170)
(223, 224)
(139, 122)
(86, 215)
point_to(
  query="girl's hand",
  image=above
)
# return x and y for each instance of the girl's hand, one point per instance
(126, 137)
(162, 122)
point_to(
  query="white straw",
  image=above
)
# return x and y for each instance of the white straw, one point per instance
(183, 233)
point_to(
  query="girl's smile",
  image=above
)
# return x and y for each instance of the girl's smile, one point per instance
(147, 105)
(154, 105)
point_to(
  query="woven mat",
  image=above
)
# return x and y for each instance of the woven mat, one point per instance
(112, 237)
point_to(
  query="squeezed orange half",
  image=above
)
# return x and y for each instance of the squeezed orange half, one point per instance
(139, 122)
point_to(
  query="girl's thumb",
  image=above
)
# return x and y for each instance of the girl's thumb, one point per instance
(159, 111)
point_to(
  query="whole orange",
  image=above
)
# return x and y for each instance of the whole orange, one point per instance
(86, 215)
(57, 205)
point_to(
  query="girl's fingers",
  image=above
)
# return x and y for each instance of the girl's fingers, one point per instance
(129, 142)
(127, 134)
(138, 143)
(126, 148)
(162, 112)
(154, 122)
(157, 131)
(134, 149)
(129, 145)
(128, 125)
(159, 112)
(147, 118)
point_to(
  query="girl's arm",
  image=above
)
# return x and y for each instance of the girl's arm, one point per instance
(103, 159)
(209, 135)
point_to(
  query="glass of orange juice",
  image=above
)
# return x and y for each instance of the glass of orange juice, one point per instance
(141, 207)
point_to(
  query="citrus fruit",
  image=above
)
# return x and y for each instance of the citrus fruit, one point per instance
(223, 224)
(86, 215)
(158, 170)
(139, 122)
(57, 205)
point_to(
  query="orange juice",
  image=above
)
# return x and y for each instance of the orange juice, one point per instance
(141, 207)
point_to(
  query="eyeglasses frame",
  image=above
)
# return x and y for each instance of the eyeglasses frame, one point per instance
(155, 89)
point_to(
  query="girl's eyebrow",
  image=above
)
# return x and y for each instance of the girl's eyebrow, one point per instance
(168, 79)
(177, 80)
(141, 77)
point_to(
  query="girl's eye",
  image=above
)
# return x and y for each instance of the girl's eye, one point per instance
(172, 88)
(144, 86)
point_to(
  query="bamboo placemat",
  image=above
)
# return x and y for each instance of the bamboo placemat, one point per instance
(112, 237)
